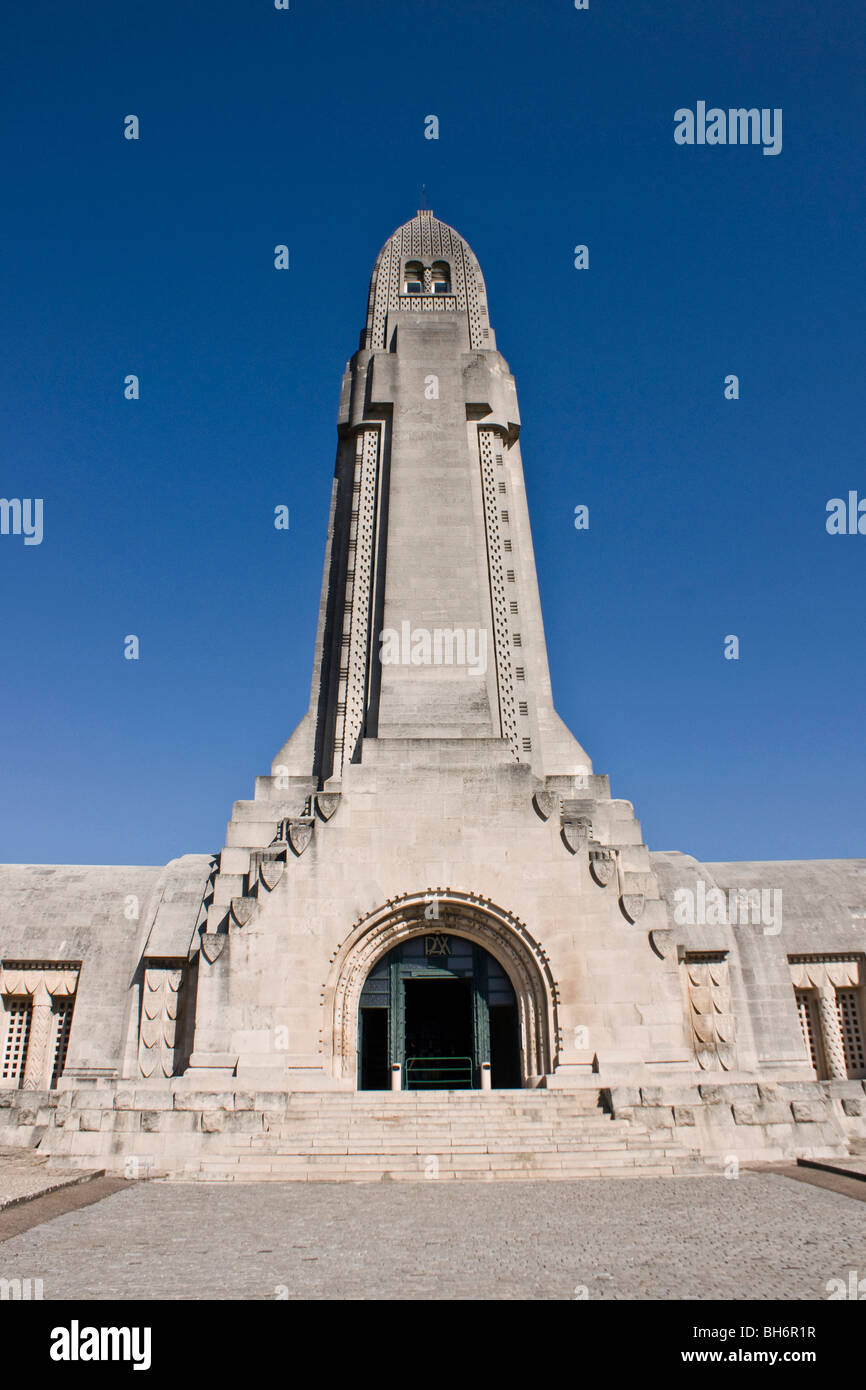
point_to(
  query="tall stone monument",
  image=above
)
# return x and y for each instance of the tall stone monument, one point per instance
(432, 891)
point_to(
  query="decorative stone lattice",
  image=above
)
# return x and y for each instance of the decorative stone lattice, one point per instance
(711, 1020)
(426, 238)
(354, 663)
(487, 444)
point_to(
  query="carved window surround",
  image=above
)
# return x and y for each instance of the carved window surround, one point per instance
(829, 999)
(36, 1003)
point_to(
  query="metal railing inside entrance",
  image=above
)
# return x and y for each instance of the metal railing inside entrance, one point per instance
(445, 1073)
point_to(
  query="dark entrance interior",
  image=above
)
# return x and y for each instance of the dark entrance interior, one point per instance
(504, 1051)
(374, 1050)
(439, 1007)
(439, 1039)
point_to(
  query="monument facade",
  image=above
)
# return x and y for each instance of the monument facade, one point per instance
(432, 899)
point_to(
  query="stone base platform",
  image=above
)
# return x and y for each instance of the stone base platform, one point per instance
(169, 1130)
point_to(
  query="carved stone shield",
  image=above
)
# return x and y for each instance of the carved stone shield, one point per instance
(270, 872)
(327, 803)
(632, 905)
(545, 803)
(662, 942)
(242, 910)
(213, 944)
(576, 833)
(300, 833)
(602, 866)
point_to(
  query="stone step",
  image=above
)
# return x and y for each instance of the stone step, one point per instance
(661, 1165)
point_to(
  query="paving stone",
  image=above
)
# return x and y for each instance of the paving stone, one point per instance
(760, 1236)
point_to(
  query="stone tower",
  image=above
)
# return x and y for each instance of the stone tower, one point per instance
(431, 786)
(432, 889)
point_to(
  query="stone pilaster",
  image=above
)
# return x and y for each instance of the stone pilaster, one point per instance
(40, 1046)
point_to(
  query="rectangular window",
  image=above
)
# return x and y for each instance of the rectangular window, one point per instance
(506, 545)
(807, 1007)
(852, 1032)
(504, 518)
(523, 707)
(17, 1037)
(513, 606)
(62, 1009)
(509, 575)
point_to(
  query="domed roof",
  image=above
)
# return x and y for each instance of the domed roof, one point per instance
(426, 239)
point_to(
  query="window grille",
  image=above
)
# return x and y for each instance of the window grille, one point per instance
(17, 1037)
(852, 1031)
(806, 1008)
(63, 1011)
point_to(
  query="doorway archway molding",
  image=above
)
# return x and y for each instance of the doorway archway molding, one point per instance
(469, 915)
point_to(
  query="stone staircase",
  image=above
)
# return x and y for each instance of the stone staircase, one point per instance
(446, 1134)
(282, 1136)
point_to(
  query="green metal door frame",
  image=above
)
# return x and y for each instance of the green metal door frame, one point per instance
(399, 972)
(480, 1013)
(397, 1014)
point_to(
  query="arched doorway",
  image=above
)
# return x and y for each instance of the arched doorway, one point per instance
(439, 1006)
(468, 916)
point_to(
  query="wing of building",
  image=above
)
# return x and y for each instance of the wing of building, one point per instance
(432, 892)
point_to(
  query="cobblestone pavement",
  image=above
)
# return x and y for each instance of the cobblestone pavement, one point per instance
(760, 1236)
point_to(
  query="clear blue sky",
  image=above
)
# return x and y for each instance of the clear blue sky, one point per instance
(306, 127)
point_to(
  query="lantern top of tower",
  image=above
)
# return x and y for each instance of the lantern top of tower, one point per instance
(426, 266)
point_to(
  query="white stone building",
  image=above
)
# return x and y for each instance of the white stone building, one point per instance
(432, 890)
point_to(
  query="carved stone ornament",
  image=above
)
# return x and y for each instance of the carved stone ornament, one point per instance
(300, 833)
(545, 803)
(633, 905)
(270, 872)
(213, 944)
(663, 942)
(576, 833)
(602, 865)
(242, 910)
(158, 1027)
(327, 803)
(710, 1015)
